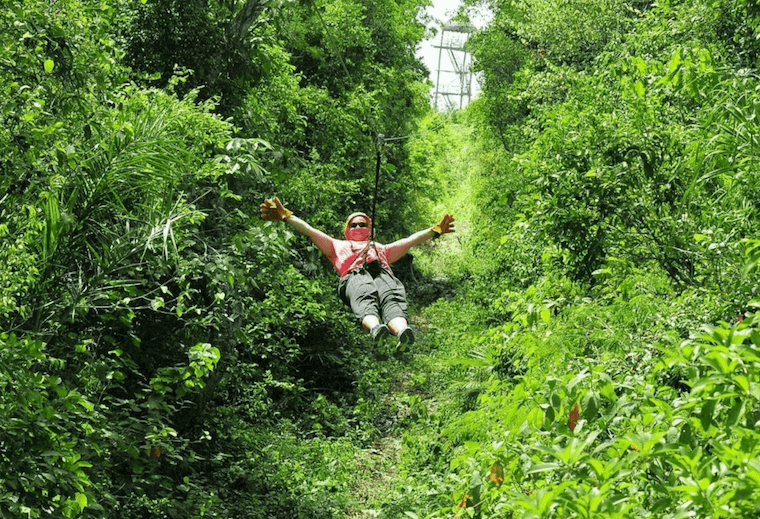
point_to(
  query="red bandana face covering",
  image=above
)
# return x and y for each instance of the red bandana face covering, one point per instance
(358, 234)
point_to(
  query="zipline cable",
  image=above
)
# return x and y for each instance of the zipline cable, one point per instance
(379, 146)
(334, 46)
(380, 140)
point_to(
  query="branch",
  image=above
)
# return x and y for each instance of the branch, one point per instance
(238, 27)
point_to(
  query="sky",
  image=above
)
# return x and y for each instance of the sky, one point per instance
(442, 11)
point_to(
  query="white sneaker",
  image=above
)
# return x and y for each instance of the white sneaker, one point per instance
(405, 336)
(380, 333)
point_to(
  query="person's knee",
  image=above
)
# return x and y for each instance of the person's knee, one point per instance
(369, 321)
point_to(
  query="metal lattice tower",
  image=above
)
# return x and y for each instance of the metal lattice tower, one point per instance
(457, 82)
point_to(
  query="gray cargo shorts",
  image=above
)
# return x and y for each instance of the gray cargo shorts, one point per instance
(382, 295)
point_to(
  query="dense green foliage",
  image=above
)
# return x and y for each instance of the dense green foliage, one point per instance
(165, 352)
(604, 334)
(587, 347)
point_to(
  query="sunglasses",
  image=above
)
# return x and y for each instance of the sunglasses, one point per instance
(358, 224)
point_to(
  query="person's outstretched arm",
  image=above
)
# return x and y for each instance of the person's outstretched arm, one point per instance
(274, 210)
(397, 249)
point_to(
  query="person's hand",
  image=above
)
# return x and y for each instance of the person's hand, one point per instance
(274, 210)
(446, 225)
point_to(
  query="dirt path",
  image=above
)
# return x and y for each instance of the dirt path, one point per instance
(377, 465)
(377, 468)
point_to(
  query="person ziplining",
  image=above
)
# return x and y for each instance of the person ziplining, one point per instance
(367, 285)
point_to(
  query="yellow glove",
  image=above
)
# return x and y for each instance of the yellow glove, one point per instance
(274, 210)
(446, 225)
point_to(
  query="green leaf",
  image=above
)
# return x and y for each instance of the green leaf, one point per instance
(549, 417)
(640, 64)
(638, 87)
(597, 466)
(743, 382)
(608, 391)
(707, 384)
(735, 414)
(590, 406)
(543, 467)
(706, 416)
(49, 64)
(535, 417)
(686, 434)
(574, 382)
(675, 60)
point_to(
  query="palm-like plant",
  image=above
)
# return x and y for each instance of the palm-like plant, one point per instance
(119, 210)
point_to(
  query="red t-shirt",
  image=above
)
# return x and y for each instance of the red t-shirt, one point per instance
(350, 255)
